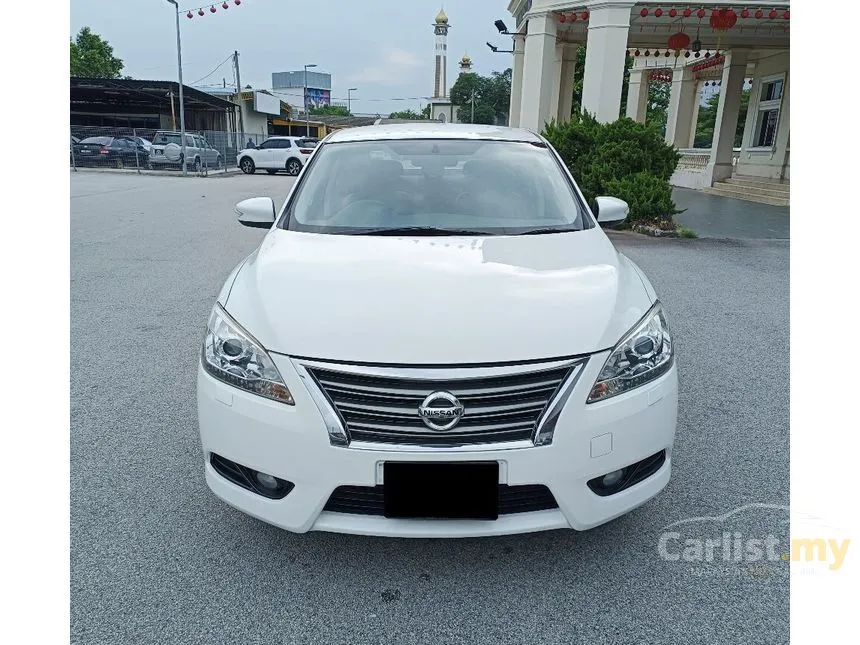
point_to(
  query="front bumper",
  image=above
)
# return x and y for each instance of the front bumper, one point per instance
(291, 442)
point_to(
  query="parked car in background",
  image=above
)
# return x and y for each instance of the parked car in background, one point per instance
(167, 151)
(277, 153)
(143, 143)
(113, 152)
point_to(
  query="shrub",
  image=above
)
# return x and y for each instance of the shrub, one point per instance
(625, 159)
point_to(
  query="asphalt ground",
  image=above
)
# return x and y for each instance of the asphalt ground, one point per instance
(156, 558)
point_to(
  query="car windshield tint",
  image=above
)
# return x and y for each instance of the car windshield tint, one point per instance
(163, 138)
(433, 186)
(98, 141)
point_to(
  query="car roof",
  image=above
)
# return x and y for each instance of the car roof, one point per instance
(433, 131)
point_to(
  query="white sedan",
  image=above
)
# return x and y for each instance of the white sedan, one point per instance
(435, 338)
(277, 153)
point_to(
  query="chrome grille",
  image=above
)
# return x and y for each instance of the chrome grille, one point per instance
(380, 405)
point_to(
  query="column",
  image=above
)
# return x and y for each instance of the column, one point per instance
(556, 82)
(637, 95)
(734, 70)
(694, 120)
(780, 143)
(517, 81)
(682, 98)
(608, 27)
(568, 68)
(538, 68)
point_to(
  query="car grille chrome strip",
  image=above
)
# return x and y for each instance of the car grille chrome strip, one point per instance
(373, 406)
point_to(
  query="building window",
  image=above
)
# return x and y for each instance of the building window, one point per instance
(767, 118)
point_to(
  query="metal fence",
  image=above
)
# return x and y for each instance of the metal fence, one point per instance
(131, 148)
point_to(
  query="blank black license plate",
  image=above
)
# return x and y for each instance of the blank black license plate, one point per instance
(467, 490)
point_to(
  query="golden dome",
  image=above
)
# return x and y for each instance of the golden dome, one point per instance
(466, 60)
(441, 18)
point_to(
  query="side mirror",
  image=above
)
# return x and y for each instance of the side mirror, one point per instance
(257, 212)
(610, 210)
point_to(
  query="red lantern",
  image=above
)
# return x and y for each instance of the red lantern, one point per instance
(657, 53)
(658, 13)
(237, 2)
(213, 9)
(700, 14)
(225, 5)
(673, 12)
(561, 18)
(643, 13)
(723, 19)
(772, 14)
(679, 41)
(584, 15)
(200, 12)
(573, 17)
(190, 15)
(636, 53)
(688, 12)
(786, 15)
(759, 14)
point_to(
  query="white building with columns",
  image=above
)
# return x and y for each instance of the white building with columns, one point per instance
(721, 42)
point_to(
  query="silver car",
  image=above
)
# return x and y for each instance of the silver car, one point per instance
(167, 151)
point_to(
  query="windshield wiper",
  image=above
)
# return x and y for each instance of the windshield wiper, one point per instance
(548, 229)
(417, 230)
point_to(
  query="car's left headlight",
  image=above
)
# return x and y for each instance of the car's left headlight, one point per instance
(232, 355)
(645, 353)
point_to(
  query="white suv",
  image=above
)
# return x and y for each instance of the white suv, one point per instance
(435, 338)
(277, 153)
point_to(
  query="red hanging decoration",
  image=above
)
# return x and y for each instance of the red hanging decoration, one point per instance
(237, 2)
(561, 18)
(225, 5)
(200, 12)
(679, 41)
(658, 12)
(688, 12)
(644, 12)
(573, 17)
(673, 12)
(190, 15)
(723, 19)
(773, 14)
(636, 53)
(759, 14)
(745, 13)
(786, 15)
(212, 9)
(700, 14)
(584, 15)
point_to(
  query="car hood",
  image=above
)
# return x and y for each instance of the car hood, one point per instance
(436, 300)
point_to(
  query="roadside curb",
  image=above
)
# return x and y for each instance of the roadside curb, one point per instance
(158, 173)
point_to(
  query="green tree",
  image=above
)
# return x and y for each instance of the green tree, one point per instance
(425, 112)
(406, 114)
(329, 110)
(92, 57)
(658, 104)
(708, 118)
(492, 96)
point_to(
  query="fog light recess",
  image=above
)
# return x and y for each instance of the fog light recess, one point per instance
(258, 482)
(619, 480)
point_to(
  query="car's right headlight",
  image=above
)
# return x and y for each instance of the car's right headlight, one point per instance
(232, 355)
(645, 353)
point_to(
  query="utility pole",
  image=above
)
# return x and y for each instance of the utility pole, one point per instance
(175, 3)
(241, 140)
(473, 106)
(172, 109)
(349, 99)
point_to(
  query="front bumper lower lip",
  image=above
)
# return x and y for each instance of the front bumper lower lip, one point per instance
(291, 442)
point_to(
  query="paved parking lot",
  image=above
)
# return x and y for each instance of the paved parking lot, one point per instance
(155, 558)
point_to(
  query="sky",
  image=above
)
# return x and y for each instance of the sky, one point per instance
(385, 48)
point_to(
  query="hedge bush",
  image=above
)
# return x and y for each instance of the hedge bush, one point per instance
(624, 159)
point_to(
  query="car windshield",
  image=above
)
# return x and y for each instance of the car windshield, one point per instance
(101, 141)
(163, 138)
(435, 187)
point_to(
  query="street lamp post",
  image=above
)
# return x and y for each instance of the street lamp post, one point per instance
(349, 99)
(181, 97)
(307, 116)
